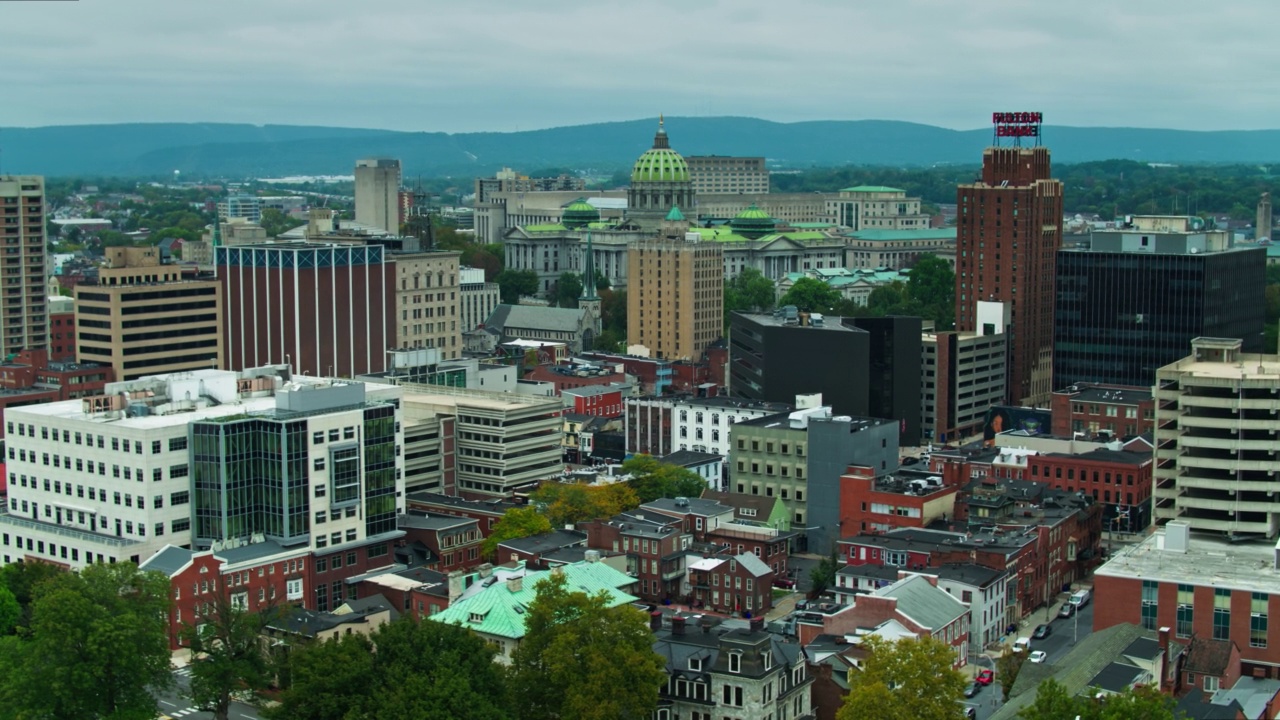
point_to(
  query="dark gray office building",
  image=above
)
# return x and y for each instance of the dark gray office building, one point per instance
(862, 366)
(1132, 303)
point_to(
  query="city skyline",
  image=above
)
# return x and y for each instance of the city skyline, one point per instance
(408, 66)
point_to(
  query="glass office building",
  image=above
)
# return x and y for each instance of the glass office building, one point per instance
(1132, 303)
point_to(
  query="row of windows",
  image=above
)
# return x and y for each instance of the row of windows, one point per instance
(81, 465)
(89, 439)
(57, 551)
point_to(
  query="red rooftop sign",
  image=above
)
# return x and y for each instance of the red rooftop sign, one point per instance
(1017, 125)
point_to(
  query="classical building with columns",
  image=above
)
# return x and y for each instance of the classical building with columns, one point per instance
(753, 237)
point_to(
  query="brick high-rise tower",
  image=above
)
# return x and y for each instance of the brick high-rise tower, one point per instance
(1009, 229)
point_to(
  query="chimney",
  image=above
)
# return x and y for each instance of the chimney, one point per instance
(757, 624)
(655, 620)
(1164, 639)
(486, 570)
(515, 584)
(591, 556)
(455, 585)
(677, 625)
(557, 571)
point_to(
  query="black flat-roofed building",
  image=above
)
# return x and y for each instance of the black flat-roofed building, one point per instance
(1133, 302)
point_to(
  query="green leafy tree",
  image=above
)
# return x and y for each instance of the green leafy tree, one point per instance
(1007, 667)
(823, 575)
(582, 659)
(750, 291)
(811, 295)
(1145, 702)
(652, 479)
(515, 523)
(10, 611)
(22, 579)
(613, 312)
(98, 644)
(910, 679)
(328, 679)
(568, 503)
(1052, 703)
(568, 290)
(276, 222)
(931, 286)
(514, 283)
(891, 299)
(406, 669)
(227, 656)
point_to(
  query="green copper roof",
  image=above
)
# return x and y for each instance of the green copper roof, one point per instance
(546, 227)
(928, 234)
(660, 165)
(753, 212)
(675, 215)
(873, 188)
(498, 610)
(579, 213)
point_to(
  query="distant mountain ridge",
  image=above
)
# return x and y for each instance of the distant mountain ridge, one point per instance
(236, 150)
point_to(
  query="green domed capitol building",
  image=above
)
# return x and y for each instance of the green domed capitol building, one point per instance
(659, 181)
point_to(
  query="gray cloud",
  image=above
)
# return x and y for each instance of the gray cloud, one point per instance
(505, 65)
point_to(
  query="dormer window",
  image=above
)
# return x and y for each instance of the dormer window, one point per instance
(695, 663)
(476, 617)
(768, 660)
(735, 662)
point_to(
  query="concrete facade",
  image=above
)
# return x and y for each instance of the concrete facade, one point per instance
(675, 295)
(142, 318)
(1216, 419)
(377, 189)
(24, 323)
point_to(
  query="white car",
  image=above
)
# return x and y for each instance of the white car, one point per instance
(1038, 656)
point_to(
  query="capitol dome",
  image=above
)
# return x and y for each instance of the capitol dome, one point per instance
(660, 163)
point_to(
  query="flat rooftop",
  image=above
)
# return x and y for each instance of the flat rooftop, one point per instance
(1209, 560)
(439, 395)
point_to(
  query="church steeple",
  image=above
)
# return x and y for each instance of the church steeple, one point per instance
(589, 273)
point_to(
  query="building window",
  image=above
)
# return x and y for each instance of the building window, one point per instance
(1186, 596)
(1258, 620)
(1221, 614)
(735, 663)
(1149, 594)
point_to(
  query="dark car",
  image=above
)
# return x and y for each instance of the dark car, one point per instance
(971, 689)
(1042, 632)
(784, 583)
(1067, 610)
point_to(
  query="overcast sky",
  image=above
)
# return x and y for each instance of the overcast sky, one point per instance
(517, 65)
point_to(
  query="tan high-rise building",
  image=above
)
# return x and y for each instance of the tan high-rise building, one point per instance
(378, 193)
(142, 318)
(675, 292)
(24, 318)
(427, 300)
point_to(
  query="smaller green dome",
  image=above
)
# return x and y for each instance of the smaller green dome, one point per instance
(579, 213)
(675, 215)
(752, 222)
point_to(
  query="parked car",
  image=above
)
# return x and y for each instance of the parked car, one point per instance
(1080, 598)
(1038, 656)
(972, 688)
(785, 583)
(985, 677)
(1067, 610)
(970, 712)
(1042, 631)
(1022, 644)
